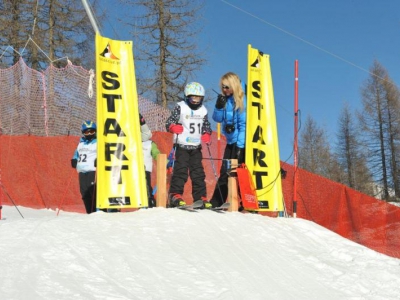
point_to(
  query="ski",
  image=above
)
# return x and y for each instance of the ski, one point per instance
(198, 205)
(191, 207)
(221, 208)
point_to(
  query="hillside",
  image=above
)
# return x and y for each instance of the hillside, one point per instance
(171, 254)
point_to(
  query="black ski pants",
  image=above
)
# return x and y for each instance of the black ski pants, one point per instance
(87, 184)
(221, 188)
(150, 197)
(188, 163)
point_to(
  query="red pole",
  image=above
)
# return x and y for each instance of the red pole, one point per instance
(295, 150)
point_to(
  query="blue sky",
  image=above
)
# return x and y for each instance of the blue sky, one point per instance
(335, 43)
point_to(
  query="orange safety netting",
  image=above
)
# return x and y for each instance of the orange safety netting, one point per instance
(363, 219)
(36, 172)
(40, 117)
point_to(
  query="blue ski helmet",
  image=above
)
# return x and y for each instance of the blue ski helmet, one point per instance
(88, 125)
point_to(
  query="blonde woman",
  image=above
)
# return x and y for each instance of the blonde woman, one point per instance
(230, 111)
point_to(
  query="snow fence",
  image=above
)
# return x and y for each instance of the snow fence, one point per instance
(36, 172)
(40, 117)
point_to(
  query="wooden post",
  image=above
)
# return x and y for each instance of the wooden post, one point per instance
(233, 187)
(161, 180)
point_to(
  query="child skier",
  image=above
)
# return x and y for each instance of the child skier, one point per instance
(190, 126)
(84, 161)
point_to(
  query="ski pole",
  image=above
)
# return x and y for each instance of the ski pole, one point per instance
(215, 172)
(175, 146)
(11, 199)
(94, 203)
(172, 165)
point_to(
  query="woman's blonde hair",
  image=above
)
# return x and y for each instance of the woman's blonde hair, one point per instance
(233, 81)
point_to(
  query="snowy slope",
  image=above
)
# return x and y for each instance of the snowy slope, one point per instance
(171, 254)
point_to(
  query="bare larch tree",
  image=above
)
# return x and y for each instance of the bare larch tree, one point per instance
(380, 123)
(57, 28)
(166, 46)
(351, 154)
(315, 153)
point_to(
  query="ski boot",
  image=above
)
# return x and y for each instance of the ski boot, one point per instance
(206, 204)
(176, 200)
(152, 202)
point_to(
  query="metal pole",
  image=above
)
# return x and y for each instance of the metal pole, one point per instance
(90, 15)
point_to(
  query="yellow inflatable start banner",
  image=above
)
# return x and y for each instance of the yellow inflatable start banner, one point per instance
(262, 147)
(121, 179)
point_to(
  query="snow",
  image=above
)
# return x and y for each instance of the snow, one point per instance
(172, 254)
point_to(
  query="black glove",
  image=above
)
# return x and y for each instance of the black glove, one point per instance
(221, 101)
(74, 162)
(95, 162)
(240, 155)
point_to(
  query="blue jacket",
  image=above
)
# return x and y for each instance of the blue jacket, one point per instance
(230, 116)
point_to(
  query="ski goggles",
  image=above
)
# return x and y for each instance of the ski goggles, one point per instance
(195, 99)
(89, 132)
